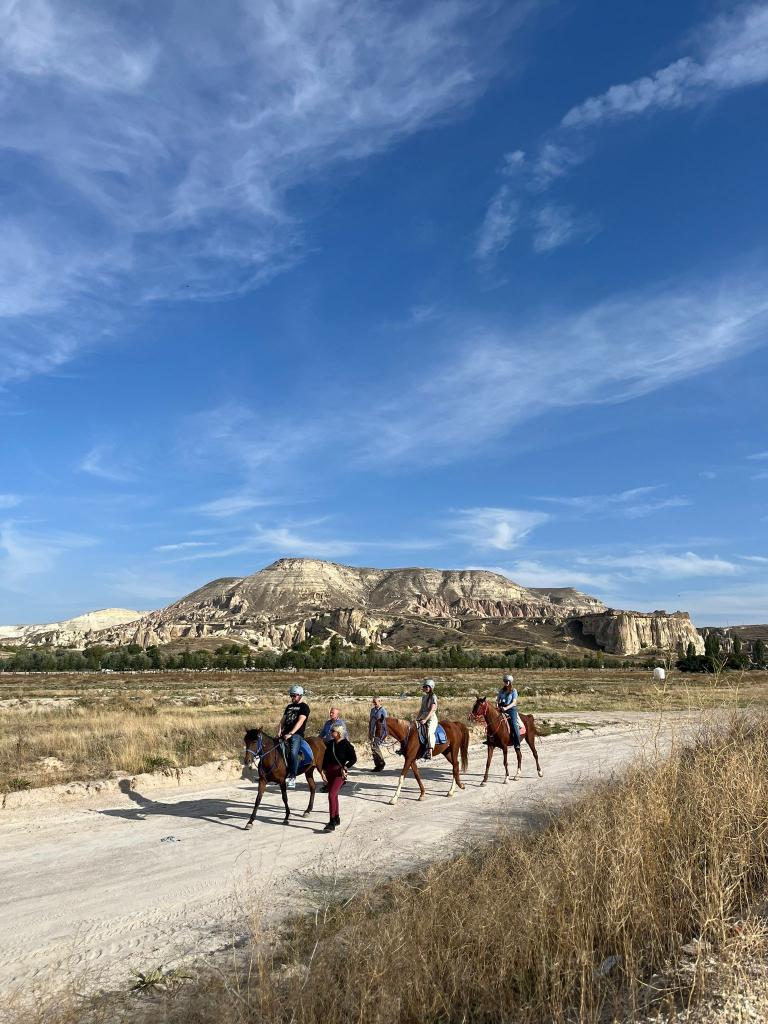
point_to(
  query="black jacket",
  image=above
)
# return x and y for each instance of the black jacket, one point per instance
(339, 752)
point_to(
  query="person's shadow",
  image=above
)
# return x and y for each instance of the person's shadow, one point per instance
(213, 811)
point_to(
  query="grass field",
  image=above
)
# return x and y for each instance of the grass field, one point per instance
(59, 728)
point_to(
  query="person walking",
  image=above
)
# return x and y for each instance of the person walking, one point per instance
(334, 718)
(377, 733)
(427, 716)
(291, 730)
(338, 759)
(506, 702)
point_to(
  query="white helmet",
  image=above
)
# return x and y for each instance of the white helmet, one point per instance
(508, 678)
(296, 690)
(428, 683)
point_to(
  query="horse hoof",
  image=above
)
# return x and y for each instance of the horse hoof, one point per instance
(462, 786)
(482, 783)
(392, 802)
(305, 814)
(449, 795)
(506, 780)
(249, 826)
(541, 774)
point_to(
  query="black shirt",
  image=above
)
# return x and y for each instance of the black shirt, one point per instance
(292, 714)
(339, 752)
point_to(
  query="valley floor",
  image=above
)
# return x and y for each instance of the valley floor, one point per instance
(90, 892)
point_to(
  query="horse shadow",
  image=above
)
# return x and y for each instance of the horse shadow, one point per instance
(213, 811)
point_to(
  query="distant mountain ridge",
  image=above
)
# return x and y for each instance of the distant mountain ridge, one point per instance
(296, 599)
(69, 632)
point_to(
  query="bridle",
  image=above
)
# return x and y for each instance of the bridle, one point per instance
(258, 755)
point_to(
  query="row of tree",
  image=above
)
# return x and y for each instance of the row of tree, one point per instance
(716, 659)
(335, 655)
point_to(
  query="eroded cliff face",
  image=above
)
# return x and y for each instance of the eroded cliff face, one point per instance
(297, 598)
(628, 633)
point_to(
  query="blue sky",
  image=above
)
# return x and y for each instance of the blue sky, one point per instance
(463, 284)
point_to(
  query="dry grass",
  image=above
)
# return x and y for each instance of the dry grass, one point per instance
(517, 930)
(59, 728)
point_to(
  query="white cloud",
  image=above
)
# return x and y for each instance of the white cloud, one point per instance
(733, 55)
(10, 500)
(531, 573)
(231, 505)
(499, 528)
(184, 544)
(493, 378)
(760, 559)
(555, 226)
(25, 554)
(498, 225)
(647, 564)
(627, 503)
(101, 461)
(758, 456)
(167, 147)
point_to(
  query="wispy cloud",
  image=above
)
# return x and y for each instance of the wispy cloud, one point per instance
(184, 545)
(728, 53)
(494, 528)
(167, 148)
(650, 564)
(101, 461)
(758, 456)
(231, 505)
(633, 503)
(25, 553)
(10, 500)
(732, 54)
(493, 378)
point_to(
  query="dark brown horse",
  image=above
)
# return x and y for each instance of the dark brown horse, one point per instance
(264, 751)
(497, 728)
(455, 751)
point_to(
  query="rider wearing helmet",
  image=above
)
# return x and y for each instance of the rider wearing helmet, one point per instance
(506, 702)
(428, 714)
(291, 730)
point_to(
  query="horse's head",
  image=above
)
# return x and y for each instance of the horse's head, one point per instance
(479, 709)
(254, 747)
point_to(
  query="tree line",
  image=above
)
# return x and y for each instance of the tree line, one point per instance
(716, 659)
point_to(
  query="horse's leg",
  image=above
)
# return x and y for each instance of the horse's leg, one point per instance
(417, 776)
(456, 778)
(531, 741)
(284, 793)
(519, 768)
(400, 781)
(259, 795)
(505, 749)
(488, 762)
(310, 774)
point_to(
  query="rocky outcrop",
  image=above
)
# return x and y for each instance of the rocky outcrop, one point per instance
(70, 632)
(618, 632)
(295, 599)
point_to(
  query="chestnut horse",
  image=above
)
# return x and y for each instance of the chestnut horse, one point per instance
(265, 751)
(497, 727)
(455, 751)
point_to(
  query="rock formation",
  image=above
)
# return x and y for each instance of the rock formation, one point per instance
(70, 632)
(299, 598)
(617, 632)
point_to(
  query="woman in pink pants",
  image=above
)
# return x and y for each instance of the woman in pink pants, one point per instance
(339, 757)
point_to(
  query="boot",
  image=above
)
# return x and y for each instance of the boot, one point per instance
(331, 826)
(336, 821)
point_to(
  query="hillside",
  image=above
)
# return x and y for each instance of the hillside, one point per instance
(68, 632)
(296, 599)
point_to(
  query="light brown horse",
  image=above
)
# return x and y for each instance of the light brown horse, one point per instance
(265, 751)
(455, 751)
(497, 727)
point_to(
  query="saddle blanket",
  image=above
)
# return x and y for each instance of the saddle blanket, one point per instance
(440, 736)
(305, 754)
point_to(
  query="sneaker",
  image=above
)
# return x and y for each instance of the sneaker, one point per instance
(291, 783)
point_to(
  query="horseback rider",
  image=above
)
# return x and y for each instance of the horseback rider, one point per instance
(506, 702)
(427, 716)
(377, 732)
(291, 731)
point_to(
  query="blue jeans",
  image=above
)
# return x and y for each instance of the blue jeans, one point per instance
(514, 728)
(293, 743)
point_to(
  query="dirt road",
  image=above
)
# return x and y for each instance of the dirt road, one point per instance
(93, 892)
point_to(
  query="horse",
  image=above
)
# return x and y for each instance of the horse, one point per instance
(498, 730)
(455, 751)
(265, 750)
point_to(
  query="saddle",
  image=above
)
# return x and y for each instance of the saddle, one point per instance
(440, 735)
(305, 754)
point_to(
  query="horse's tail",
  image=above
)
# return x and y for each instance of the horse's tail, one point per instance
(464, 748)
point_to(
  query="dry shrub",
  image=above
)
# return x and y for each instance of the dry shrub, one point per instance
(583, 920)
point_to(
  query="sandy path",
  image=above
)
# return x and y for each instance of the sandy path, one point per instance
(93, 892)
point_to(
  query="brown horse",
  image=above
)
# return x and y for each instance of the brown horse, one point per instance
(455, 751)
(265, 751)
(497, 727)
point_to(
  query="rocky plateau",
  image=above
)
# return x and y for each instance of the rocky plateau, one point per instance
(294, 599)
